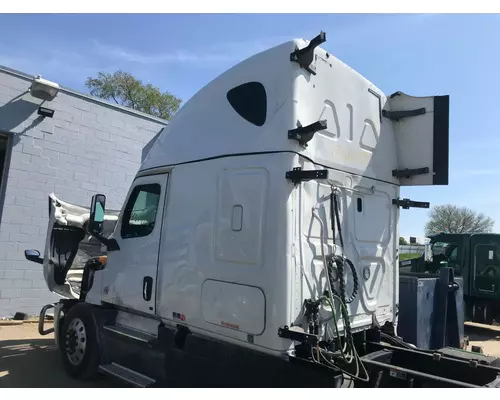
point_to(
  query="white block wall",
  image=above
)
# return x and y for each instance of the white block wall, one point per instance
(88, 147)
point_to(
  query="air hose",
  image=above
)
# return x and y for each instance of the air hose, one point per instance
(347, 349)
(340, 262)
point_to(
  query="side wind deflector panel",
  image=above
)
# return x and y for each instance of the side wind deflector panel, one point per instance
(421, 130)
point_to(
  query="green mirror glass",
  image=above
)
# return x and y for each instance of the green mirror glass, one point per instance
(97, 209)
(99, 213)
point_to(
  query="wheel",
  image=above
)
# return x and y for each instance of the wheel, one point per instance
(489, 314)
(478, 314)
(79, 346)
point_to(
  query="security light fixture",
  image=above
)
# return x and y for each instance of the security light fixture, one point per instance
(45, 112)
(43, 89)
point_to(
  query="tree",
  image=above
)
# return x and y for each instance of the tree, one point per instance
(402, 241)
(122, 88)
(452, 219)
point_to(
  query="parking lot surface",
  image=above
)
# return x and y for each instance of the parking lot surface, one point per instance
(28, 360)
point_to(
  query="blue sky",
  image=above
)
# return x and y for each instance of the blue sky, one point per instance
(418, 54)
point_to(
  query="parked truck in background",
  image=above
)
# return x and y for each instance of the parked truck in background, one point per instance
(476, 258)
(257, 245)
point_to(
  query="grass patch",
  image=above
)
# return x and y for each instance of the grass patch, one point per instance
(409, 256)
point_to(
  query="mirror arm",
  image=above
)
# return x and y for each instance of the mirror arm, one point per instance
(111, 244)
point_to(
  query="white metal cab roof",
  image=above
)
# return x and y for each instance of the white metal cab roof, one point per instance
(361, 135)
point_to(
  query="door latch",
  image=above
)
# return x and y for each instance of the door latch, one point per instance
(147, 288)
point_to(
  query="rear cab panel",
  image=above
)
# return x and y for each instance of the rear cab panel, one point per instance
(359, 150)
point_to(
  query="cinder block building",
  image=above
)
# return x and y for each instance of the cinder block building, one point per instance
(73, 145)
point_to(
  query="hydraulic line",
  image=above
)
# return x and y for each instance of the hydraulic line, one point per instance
(347, 350)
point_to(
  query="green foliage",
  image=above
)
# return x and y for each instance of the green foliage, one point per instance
(402, 241)
(409, 256)
(122, 88)
(452, 219)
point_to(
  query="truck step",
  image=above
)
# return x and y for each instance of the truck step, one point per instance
(130, 333)
(127, 375)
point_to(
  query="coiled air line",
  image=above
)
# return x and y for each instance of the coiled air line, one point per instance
(348, 352)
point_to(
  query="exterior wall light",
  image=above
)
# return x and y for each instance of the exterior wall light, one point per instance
(43, 89)
(45, 112)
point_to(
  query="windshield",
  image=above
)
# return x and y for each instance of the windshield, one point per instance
(449, 252)
(449, 249)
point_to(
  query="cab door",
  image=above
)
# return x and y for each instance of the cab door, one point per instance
(421, 131)
(485, 252)
(129, 279)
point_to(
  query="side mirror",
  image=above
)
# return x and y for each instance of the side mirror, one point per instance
(33, 255)
(96, 220)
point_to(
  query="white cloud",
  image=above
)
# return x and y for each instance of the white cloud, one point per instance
(337, 35)
(57, 64)
(126, 55)
(220, 53)
(70, 67)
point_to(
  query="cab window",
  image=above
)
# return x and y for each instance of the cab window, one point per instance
(450, 252)
(139, 217)
(487, 260)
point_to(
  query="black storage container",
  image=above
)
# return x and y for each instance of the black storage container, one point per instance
(431, 309)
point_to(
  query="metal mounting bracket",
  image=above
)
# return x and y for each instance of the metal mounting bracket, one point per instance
(305, 56)
(303, 134)
(397, 115)
(297, 175)
(408, 172)
(302, 337)
(407, 203)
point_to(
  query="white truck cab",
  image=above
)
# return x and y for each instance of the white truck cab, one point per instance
(262, 225)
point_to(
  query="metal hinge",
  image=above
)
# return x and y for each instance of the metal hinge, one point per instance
(407, 172)
(305, 56)
(407, 203)
(397, 115)
(304, 134)
(297, 175)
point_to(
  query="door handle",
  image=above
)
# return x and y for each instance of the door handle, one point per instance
(147, 288)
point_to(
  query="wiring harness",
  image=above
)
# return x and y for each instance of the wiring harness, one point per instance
(339, 351)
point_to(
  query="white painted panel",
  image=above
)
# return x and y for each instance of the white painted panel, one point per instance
(373, 277)
(414, 136)
(415, 139)
(234, 306)
(372, 223)
(242, 195)
(369, 242)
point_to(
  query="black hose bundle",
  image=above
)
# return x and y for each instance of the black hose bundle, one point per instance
(340, 261)
(347, 349)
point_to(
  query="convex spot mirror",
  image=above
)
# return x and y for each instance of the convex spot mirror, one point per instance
(97, 209)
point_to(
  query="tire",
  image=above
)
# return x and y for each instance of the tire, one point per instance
(478, 314)
(490, 314)
(79, 345)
